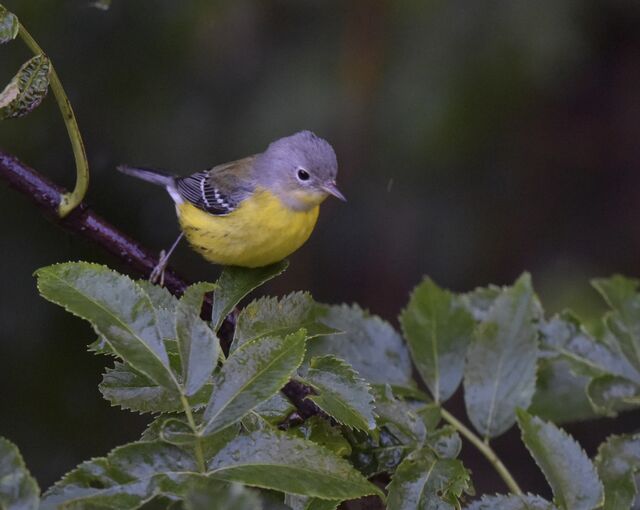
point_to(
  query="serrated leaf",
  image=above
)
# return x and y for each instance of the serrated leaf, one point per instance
(213, 495)
(117, 308)
(618, 461)
(128, 389)
(609, 394)
(273, 460)
(270, 316)
(438, 330)
(563, 335)
(445, 442)
(199, 347)
(177, 432)
(251, 375)
(27, 89)
(422, 481)
(276, 409)
(622, 295)
(500, 373)
(306, 503)
(322, 433)
(560, 394)
(343, 394)
(511, 502)
(128, 476)
(235, 283)
(431, 415)
(398, 417)
(479, 301)
(565, 465)
(9, 25)
(18, 489)
(369, 344)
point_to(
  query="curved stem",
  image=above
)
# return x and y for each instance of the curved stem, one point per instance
(68, 201)
(485, 449)
(192, 423)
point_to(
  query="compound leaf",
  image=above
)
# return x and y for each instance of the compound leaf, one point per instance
(618, 461)
(18, 489)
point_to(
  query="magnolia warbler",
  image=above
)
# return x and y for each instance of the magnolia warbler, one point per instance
(254, 211)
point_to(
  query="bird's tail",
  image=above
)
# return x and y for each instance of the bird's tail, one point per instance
(149, 175)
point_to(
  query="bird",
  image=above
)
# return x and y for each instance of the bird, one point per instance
(254, 211)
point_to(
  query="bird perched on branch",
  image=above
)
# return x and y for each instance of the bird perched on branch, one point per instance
(254, 211)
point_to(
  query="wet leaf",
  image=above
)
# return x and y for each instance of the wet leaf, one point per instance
(343, 394)
(251, 375)
(199, 347)
(369, 344)
(511, 502)
(118, 309)
(567, 468)
(500, 374)
(609, 394)
(445, 442)
(18, 489)
(274, 460)
(617, 462)
(280, 317)
(424, 481)
(398, 417)
(438, 330)
(235, 283)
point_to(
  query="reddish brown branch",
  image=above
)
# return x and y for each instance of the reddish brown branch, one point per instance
(87, 224)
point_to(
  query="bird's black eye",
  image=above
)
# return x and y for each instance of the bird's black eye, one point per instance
(303, 175)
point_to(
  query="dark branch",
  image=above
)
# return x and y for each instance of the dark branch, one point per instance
(87, 224)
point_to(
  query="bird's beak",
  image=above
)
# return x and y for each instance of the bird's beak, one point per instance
(332, 189)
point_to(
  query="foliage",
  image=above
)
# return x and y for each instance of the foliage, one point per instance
(222, 433)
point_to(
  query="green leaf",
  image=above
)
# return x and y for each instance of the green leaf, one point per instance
(609, 394)
(445, 442)
(270, 316)
(18, 489)
(306, 503)
(27, 89)
(321, 432)
(500, 373)
(212, 495)
(128, 476)
(424, 481)
(276, 409)
(565, 465)
(618, 461)
(273, 460)
(117, 308)
(479, 301)
(370, 345)
(343, 394)
(9, 25)
(128, 389)
(560, 395)
(398, 417)
(621, 294)
(177, 432)
(438, 330)
(199, 347)
(431, 415)
(564, 336)
(251, 375)
(511, 502)
(235, 283)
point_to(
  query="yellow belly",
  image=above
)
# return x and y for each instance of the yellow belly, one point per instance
(260, 232)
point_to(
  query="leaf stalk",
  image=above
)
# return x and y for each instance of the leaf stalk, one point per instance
(486, 450)
(70, 200)
(192, 423)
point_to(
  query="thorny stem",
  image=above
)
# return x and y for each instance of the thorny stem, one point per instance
(192, 423)
(68, 201)
(486, 450)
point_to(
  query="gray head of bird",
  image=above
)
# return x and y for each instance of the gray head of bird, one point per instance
(301, 169)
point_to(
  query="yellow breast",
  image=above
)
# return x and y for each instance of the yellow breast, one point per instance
(261, 231)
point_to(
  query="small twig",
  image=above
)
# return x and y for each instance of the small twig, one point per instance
(485, 449)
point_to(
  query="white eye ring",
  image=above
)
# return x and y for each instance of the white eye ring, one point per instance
(302, 174)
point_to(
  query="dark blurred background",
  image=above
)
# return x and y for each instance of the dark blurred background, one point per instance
(475, 140)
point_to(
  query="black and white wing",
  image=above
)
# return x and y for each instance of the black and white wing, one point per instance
(218, 191)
